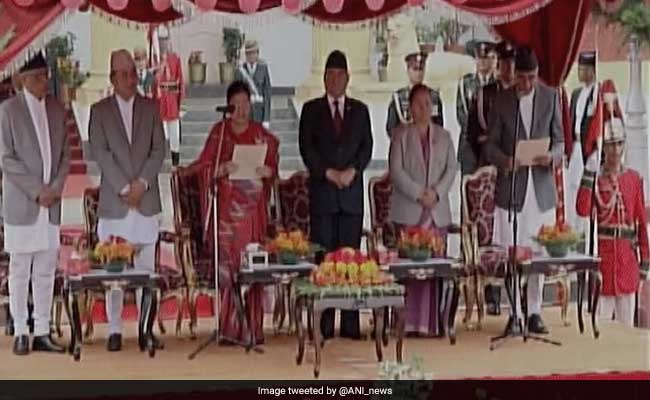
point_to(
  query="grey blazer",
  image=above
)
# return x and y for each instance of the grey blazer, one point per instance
(121, 162)
(21, 162)
(409, 175)
(547, 122)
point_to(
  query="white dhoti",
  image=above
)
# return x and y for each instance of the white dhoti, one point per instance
(142, 232)
(33, 255)
(529, 220)
(621, 307)
(173, 134)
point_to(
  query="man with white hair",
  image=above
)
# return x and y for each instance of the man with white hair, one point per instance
(128, 143)
(35, 161)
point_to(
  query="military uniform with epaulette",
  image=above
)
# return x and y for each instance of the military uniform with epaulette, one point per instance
(399, 108)
(468, 87)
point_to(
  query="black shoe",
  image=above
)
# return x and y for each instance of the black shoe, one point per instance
(536, 325)
(512, 328)
(21, 345)
(9, 328)
(45, 343)
(114, 342)
(157, 344)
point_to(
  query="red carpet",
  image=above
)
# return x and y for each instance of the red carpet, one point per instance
(589, 376)
(75, 184)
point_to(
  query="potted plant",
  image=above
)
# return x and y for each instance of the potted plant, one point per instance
(289, 247)
(635, 19)
(197, 67)
(557, 239)
(233, 40)
(57, 53)
(426, 38)
(419, 244)
(382, 63)
(70, 79)
(113, 254)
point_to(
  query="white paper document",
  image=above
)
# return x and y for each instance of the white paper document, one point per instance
(528, 150)
(248, 157)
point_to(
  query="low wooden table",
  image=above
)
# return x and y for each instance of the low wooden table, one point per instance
(100, 280)
(445, 268)
(578, 263)
(273, 274)
(317, 299)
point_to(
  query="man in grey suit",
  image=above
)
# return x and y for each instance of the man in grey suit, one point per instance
(530, 110)
(255, 73)
(35, 162)
(128, 143)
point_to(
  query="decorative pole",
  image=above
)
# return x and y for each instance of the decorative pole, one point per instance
(637, 122)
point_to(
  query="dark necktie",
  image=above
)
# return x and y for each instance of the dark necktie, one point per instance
(338, 120)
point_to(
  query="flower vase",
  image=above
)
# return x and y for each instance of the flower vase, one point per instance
(115, 266)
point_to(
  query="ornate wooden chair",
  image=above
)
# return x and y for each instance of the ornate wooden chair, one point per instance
(292, 202)
(172, 283)
(189, 215)
(292, 212)
(383, 231)
(487, 262)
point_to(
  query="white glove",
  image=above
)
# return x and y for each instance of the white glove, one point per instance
(592, 162)
(266, 125)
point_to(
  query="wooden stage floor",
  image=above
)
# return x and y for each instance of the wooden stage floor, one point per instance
(617, 349)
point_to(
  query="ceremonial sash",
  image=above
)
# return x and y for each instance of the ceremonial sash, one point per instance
(256, 97)
(398, 106)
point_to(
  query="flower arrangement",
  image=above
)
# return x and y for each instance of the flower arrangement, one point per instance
(113, 253)
(290, 246)
(348, 266)
(557, 239)
(419, 244)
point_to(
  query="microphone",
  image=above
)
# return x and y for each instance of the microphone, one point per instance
(226, 109)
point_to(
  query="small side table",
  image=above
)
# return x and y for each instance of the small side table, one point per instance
(99, 280)
(316, 299)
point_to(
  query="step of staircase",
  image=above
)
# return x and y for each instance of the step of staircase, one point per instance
(77, 163)
(216, 91)
(200, 116)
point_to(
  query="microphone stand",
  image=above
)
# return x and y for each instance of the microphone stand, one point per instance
(216, 336)
(514, 328)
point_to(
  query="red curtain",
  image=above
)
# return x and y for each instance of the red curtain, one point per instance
(139, 11)
(554, 33)
(27, 23)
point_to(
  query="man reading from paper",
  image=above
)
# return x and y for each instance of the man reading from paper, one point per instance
(532, 109)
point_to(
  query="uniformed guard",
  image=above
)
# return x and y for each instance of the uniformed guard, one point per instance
(468, 87)
(583, 99)
(398, 110)
(471, 156)
(255, 73)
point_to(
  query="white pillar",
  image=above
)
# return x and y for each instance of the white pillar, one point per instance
(637, 121)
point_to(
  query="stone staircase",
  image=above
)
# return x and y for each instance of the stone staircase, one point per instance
(200, 116)
(77, 163)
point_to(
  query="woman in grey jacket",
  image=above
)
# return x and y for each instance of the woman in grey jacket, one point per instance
(423, 167)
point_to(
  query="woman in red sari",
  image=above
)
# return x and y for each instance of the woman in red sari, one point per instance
(242, 211)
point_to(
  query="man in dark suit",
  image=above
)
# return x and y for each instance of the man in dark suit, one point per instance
(583, 99)
(336, 146)
(255, 73)
(530, 110)
(477, 134)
